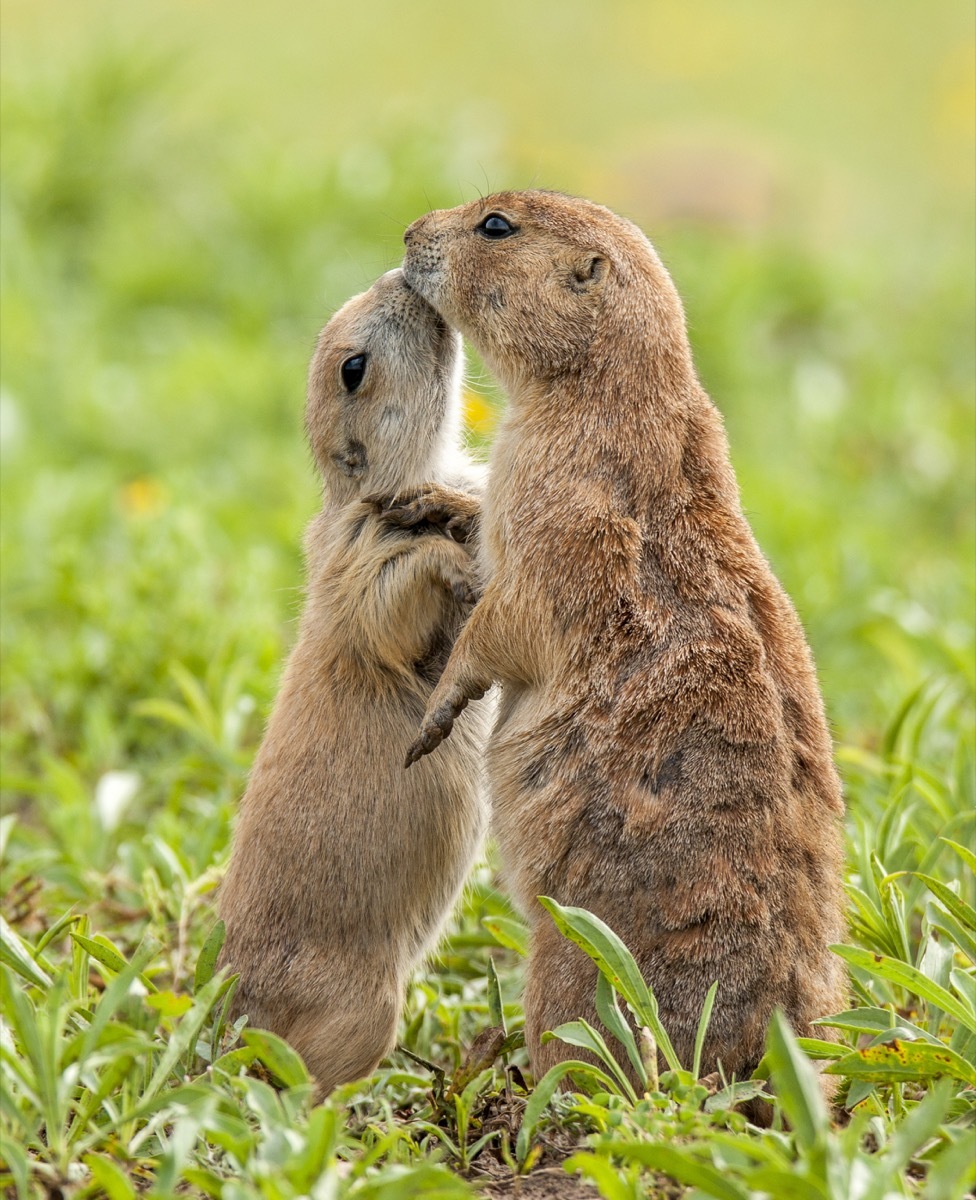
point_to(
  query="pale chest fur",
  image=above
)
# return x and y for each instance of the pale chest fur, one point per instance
(499, 500)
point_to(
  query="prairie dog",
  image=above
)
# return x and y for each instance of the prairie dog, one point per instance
(661, 755)
(344, 866)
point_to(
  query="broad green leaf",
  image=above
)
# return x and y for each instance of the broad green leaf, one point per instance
(609, 1013)
(910, 978)
(234, 1060)
(609, 953)
(280, 1059)
(874, 1020)
(103, 952)
(962, 911)
(321, 1140)
(784, 1185)
(596, 939)
(207, 962)
(952, 1174)
(819, 1048)
(795, 1082)
(901, 1060)
(582, 1035)
(752, 1149)
(965, 985)
(544, 1091)
(679, 1165)
(967, 855)
(19, 1166)
(736, 1093)
(939, 919)
(507, 932)
(207, 1182)
(16, 953)
(169, 1004)
(113, 1181)
(601, 1172)
(116, 994)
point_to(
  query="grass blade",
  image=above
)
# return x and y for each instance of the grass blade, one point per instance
(544, 1091)
(706, 1016)
(795, 1082)
(207, 962)
(609, 1013)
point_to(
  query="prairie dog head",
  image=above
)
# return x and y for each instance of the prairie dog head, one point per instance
(538, 281)
(383, 392)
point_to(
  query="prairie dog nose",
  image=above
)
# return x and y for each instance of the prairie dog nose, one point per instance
(412, 230)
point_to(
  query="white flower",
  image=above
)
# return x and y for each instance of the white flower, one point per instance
(113, 795)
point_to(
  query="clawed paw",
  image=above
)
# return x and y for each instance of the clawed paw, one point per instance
(430, 738)
(434, 730)
(438, 507)
(462, 587)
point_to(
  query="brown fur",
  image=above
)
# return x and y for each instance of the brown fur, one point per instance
(661, 755)
(344, 867)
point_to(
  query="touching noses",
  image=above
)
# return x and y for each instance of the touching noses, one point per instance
(412, 230)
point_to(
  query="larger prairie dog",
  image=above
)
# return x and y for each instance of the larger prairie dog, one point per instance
(344, 866)
(661, 755)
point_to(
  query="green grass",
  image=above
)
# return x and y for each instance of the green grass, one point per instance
(159, 304)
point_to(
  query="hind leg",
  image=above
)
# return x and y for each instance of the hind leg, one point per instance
(340, 1044)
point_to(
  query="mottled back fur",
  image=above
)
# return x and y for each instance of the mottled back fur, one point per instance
(661, 755)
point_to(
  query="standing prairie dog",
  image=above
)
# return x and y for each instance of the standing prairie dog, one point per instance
(661, 755)
(344, 867)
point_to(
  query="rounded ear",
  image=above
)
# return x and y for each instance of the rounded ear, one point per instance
(587, 272)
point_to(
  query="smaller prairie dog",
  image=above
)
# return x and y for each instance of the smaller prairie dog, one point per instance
(661, 755)
(344, 866)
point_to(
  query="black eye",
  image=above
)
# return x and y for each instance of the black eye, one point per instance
(353, 370)
(494, 227)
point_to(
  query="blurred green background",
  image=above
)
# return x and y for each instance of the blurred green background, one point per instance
(189, 189)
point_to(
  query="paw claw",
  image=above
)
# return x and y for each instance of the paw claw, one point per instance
(430, 738)
(403, 515)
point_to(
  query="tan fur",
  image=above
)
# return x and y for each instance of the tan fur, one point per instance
(661, 755)
(344, 866)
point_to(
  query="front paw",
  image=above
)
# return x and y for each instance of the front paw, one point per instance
(436, 727)
(436, 507)
(461, 581)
